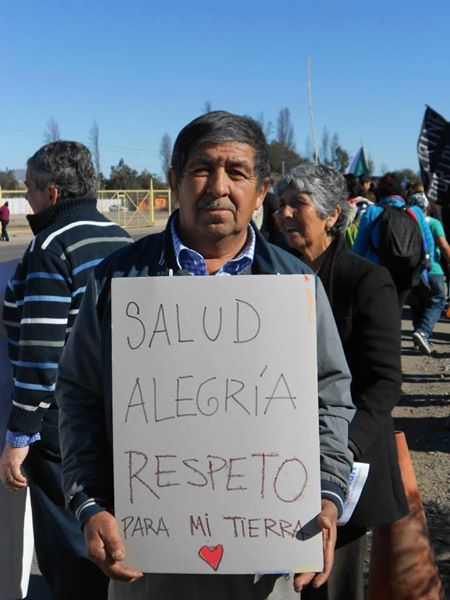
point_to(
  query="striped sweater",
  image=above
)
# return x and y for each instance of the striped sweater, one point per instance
(43, 297)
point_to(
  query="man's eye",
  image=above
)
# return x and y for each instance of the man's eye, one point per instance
(237, 174)
(200, 171)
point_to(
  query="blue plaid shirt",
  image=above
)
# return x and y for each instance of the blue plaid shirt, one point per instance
(192, 261)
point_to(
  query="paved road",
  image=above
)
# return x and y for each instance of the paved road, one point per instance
(19, 241)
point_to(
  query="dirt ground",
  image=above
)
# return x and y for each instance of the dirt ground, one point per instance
(423, 415)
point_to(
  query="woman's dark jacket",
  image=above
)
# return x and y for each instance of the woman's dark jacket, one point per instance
(364, 303)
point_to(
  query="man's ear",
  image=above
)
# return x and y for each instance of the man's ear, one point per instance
(172, 181)
(262, 193)
(53, 193)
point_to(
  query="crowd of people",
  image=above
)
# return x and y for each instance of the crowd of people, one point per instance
(313, 221)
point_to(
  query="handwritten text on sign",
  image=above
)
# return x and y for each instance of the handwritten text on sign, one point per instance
(216, 451)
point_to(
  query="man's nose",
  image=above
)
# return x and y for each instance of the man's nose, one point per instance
(218, 183)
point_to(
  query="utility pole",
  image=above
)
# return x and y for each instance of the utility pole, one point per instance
(311, 114)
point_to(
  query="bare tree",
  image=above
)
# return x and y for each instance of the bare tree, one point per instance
(334, 145)
(165, 152)
(207, 107)
(285, 129)
(325, 147)
(266, 127)
(94, 136)
(51, 132)
(309, 150)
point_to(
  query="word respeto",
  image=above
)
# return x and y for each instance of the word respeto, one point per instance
(260, 474)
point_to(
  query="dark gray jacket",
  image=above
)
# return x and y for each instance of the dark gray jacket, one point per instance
(83, 388)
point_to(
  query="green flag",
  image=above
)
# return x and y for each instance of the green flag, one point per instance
(359, 165)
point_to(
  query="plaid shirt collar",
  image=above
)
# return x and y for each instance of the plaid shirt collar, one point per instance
(192, 261)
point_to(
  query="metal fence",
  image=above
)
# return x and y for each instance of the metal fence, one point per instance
(128, 208)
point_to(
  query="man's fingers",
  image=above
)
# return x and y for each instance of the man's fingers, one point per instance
(112, 567)
(106, 547)
(13, 479)
(17, 476)
(114, 546)
(119, 571)
(320, 579)
(10, 467)
(301, 580)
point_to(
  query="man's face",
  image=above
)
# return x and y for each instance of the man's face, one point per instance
(38, 199)
(217, 193)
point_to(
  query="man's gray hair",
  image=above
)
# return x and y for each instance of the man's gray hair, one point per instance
(327, 188)
(66, 165)
(219, 127)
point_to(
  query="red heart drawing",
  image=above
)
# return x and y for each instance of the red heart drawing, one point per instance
(211, 555)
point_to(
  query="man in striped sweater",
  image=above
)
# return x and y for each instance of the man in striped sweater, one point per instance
(41, 303)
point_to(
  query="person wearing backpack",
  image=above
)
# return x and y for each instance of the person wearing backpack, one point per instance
(427, 302)
(397, 237)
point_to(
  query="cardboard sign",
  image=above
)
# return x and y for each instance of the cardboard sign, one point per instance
(215, 423)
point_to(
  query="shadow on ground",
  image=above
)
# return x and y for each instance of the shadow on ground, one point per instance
(427, 434)
(424, 400)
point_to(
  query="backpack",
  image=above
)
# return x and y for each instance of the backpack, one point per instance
(401, 246)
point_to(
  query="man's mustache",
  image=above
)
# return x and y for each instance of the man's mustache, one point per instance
(206, 202)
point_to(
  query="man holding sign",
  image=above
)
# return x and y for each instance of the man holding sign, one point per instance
(219, 175)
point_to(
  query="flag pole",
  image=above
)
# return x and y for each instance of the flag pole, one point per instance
(311, 114)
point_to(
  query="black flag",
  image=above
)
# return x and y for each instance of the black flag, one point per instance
(433, 149)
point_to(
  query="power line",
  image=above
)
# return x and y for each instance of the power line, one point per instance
(110, 146)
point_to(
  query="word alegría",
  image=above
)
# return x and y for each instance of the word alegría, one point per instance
(189, 396)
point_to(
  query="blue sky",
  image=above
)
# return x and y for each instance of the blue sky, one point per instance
(142, 68)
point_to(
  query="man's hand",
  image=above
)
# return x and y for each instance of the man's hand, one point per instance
(106, 548)
(327, 522)
(10, 467)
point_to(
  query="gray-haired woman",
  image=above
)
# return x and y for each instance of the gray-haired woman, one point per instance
(313, 217)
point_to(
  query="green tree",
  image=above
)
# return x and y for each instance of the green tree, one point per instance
(143, 181)
(341, 159)
(122, 177)
(8, 180)
(283, 158)
(101, 181)
(408, 174)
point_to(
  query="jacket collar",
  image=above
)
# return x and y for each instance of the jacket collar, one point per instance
(337, 248)
(263, 261)
(70, 209)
